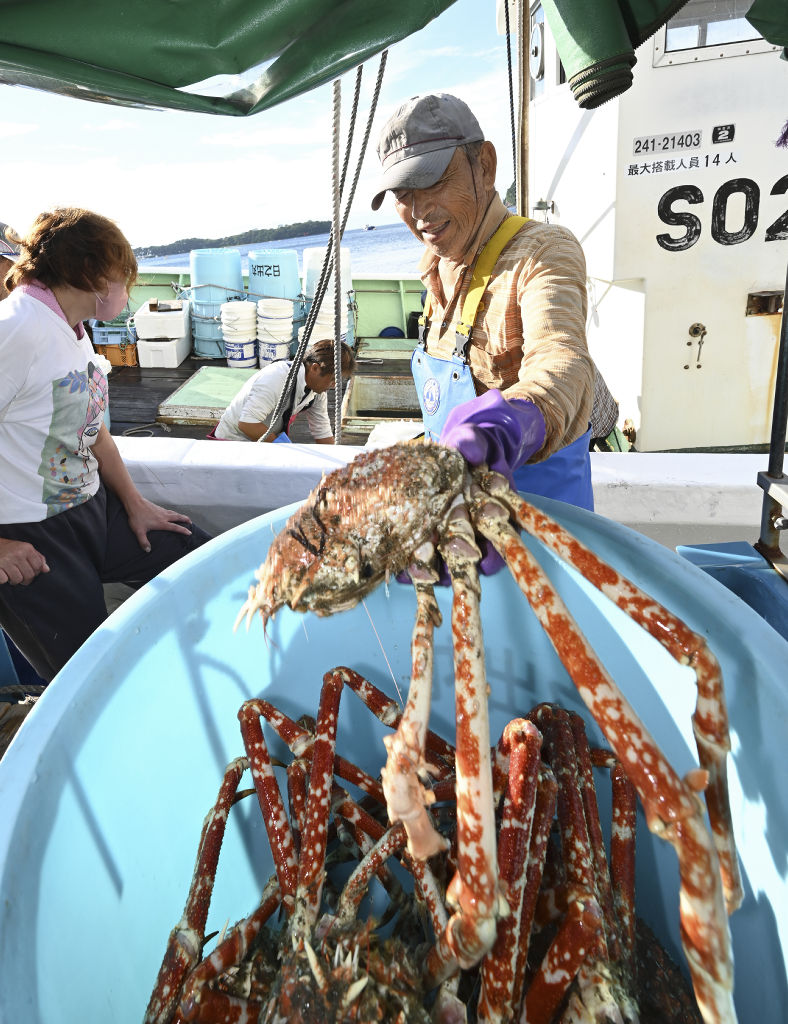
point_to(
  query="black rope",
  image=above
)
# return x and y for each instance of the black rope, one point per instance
(325, 273)
(511, 89)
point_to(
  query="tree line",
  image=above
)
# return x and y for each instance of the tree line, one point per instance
(306, 227)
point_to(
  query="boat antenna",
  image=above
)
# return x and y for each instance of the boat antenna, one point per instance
(328, 262)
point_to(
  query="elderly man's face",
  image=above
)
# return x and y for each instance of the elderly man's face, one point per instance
(446, 216)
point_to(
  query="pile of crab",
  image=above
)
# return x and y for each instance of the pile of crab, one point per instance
(516, 909)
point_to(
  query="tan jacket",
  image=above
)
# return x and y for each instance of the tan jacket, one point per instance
(529, 338)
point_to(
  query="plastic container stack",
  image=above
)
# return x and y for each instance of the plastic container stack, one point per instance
(239, 331)
(274, 329)
(216, 277)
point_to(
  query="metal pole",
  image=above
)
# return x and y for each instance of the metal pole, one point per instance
(774, 484)
(780, 412)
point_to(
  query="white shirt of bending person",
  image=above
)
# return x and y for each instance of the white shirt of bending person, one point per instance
(257, 399)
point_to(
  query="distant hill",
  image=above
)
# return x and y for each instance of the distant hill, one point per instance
(306, 227)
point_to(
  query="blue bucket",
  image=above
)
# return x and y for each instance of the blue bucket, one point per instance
(273, 274)
(104, 790)
(215, 275)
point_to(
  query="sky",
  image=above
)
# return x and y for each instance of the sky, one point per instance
(166, 175)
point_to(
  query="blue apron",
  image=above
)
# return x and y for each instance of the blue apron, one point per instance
(443, 384)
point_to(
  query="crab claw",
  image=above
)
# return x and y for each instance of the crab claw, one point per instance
(255, 602)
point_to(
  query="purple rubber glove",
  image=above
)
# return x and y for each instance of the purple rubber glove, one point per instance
(502, 433)
(490, 429)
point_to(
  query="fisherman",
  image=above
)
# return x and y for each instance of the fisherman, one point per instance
(502, 368)
(246, 418)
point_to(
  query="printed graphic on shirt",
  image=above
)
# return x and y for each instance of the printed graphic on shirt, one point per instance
(78, 403)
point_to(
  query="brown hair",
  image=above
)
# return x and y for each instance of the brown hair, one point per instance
(73, 247)
(322, 353)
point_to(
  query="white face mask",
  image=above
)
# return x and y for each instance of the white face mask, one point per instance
(109, 305)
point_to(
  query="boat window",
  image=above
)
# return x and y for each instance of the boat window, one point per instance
(709, 23)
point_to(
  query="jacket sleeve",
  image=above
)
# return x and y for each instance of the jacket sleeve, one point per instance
(556, 371)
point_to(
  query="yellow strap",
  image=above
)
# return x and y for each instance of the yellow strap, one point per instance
(483, 268)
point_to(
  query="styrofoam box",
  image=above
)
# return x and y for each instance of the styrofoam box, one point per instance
(155, 325)
(163, 351)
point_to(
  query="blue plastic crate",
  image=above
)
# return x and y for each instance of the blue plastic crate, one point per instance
(125, 334)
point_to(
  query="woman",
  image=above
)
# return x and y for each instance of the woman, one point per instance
(70, 517)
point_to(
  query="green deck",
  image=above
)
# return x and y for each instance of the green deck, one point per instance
(203, 397)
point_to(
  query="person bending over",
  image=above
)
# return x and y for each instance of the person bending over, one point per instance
(247, 417)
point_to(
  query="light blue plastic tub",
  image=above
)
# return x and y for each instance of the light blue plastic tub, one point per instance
(273, 273)
(215, 274)
(104, 790)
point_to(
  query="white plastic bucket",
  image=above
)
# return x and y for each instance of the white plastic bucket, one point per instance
(238, 313)
(276, 308)
(270, 352)
(313, 264)
(274, 272)
(241, 354)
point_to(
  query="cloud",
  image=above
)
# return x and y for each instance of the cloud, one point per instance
(9, 128)
(108, 126)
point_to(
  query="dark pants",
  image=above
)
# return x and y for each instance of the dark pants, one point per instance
(85, 547)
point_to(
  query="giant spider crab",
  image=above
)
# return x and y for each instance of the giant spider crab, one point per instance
(396, 509)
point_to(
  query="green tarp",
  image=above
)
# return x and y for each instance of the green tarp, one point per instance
(596, 41)
(147, 52)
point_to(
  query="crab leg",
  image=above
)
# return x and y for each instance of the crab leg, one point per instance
(473, 891)
(520, 745)
(544, 812)
(407, 799)
(564, 958)
(622, 848)
(710, 719)
(186, 939)
(673, 809)
(280, 836)
(426, 883)
(387, 711)
(581, 861)
(390, 842)
(297, 776)
(202, 1003)
(300, 741)
(312, 870)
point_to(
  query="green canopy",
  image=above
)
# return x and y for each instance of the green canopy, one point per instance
(596, 42)
(146, 53)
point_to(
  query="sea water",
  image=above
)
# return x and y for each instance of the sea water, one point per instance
(388, 249)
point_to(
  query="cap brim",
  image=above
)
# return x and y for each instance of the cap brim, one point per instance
(420, 171)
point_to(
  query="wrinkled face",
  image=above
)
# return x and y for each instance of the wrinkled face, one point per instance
(446, 216)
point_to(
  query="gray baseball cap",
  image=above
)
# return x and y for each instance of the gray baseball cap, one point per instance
(417, 143)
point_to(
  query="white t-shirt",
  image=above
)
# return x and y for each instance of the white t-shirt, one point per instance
(52, 400)
(257, 399)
